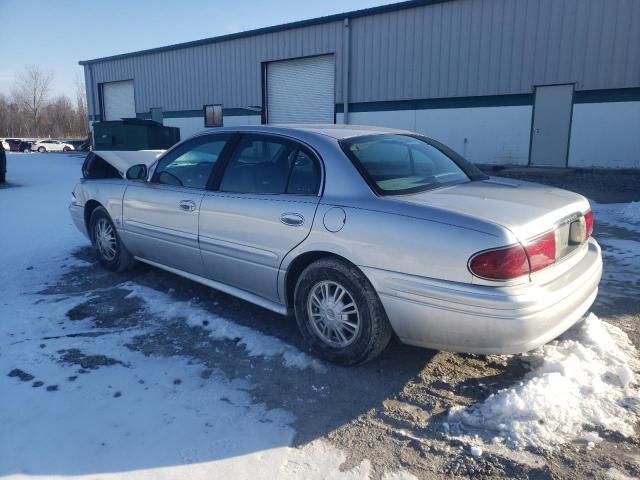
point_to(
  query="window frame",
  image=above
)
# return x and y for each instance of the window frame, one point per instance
(470, 170)
(183, 148)
(298, 145)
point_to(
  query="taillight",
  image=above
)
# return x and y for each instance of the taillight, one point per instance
(542, 251)
(500, 264)
(515, 261)
(588, 223)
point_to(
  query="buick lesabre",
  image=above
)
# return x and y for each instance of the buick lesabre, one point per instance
(358, 232)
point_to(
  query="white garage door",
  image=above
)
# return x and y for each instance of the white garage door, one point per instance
(118, 100)
(301, 90)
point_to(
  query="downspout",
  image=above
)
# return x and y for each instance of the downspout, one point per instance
(93, 104)
(345, 71)
(93, 93)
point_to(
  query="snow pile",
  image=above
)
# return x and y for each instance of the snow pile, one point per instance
(623, 215)
(585, 381)
(255, 343)
(631, 212)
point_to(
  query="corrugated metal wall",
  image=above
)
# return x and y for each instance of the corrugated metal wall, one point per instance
(495, 47)
(453, 49)
(227, 72)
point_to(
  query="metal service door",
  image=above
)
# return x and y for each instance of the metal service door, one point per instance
(301, 90)
(551, 125)
(118, 100)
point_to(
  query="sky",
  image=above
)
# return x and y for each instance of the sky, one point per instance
(59, 33)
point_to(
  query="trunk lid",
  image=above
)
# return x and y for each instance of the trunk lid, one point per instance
(526, 209)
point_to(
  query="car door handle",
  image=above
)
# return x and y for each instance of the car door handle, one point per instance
(187, 205)
(292, 219)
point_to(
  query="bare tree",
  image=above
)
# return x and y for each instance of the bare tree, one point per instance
(31, 92)
(82, 121)
(5, 116)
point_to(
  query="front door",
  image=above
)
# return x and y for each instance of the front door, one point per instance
(262, 207)
(161, 216)
(551, 125)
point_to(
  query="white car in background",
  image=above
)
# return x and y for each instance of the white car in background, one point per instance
(51, 146)
(5, 146)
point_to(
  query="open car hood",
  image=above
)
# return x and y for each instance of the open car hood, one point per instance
(122, 160)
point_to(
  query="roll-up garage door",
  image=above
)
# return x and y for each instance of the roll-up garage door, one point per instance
(118, 100)
(301, 90)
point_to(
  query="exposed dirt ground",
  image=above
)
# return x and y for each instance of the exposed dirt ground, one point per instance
(391, 411)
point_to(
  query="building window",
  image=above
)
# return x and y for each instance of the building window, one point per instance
(156, 115)
(212, 116)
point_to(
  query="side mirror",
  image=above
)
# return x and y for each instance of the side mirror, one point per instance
(137, 172)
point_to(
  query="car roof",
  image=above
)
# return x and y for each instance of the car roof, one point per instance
(337, 131)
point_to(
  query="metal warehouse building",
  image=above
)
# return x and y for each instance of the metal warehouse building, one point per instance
(538, 82)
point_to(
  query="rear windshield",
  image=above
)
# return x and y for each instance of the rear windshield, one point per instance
(397, 164)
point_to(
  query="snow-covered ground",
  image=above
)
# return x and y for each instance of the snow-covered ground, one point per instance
(133, 416)
(585, 382)
(578, 385)
(77, 400)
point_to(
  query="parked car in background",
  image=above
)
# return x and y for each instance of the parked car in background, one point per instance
(357, 231)
(76, 144)
(51, 146)
(18, 145)
(14, 144)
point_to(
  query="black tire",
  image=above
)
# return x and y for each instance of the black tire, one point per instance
(42, 149)
(66, 149)
(375, 330)
(122, 259)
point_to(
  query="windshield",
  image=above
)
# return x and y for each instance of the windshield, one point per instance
(396, 164)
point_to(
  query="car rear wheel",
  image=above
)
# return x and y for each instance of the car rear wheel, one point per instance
(339, 313)
(42, 149)
(111, 252)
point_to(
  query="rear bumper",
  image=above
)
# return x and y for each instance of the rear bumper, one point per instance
(77, 215)
(482, 319)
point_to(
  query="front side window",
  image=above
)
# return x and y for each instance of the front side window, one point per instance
(191, 164)
(397, 164)
(263, 165)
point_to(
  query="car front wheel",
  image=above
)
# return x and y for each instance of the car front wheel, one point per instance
(339, 313)
(111, 252)
(42, 149)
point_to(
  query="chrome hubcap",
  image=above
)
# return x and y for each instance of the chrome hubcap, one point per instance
(333, 313)
(105, 239)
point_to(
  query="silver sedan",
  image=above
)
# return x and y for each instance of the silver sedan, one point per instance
(359, 232)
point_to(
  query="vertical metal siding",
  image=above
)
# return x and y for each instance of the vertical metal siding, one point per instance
(495, 47)
(452, 49)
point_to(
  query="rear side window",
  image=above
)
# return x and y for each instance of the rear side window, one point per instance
(397, 164)
(268, 165)
(191, 164)
(304, 178)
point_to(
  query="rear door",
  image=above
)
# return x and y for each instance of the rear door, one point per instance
(263, 206)
(161, 216)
